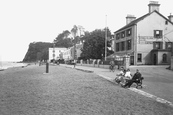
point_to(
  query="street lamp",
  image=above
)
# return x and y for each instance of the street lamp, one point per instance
(53, 52)
(74, 32)
(106, 38)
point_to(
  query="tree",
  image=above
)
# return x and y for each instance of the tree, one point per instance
(63, 40)
(94, 45)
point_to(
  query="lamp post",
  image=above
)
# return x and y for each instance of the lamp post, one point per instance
(53, 52)
(74, 32)
(106, 38)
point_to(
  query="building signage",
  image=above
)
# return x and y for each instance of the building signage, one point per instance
(147, 39)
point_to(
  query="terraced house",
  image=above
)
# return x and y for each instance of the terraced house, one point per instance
(147, 39)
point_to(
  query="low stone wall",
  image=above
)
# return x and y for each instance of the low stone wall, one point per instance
(97, 65)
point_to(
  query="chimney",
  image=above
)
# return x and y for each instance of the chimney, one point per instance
(130, 18)
(170, 17)
(153, 5)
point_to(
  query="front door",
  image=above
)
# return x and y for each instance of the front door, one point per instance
(155, 59)
(131, 60)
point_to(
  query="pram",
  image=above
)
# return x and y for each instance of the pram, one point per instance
(119, 79)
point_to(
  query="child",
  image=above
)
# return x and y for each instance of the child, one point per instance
(120, 76)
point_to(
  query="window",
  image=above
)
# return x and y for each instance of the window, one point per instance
(139, 57)
(168, 45)
(117, 47)
(122, 46)
(166, 22)
(158, 33)
(158, 45)
(164, 58)
(128, 32)
(117, 36)
(128, 45)
(123, 34)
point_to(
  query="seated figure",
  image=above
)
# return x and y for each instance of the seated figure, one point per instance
(136, 77)
(120, 75)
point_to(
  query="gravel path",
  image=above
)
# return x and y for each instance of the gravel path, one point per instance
(65, 91)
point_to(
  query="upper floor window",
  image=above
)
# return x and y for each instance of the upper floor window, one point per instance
(158, 45)
(158, 33)
(128, 45)
(128, 32)
(117, 36)
(123, 34)
(166, 22)
(122, 46)
(117, 47)
(168, 45)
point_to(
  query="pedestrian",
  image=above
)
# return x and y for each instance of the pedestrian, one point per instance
(112, 64)
(74, 63)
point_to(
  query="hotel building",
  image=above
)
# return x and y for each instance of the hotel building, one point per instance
(147, 39)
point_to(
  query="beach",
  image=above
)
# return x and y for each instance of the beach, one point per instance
(7, 64)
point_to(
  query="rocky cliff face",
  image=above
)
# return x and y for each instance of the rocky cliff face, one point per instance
(37, 51)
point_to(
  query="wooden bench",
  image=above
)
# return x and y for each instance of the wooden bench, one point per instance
(138, 82)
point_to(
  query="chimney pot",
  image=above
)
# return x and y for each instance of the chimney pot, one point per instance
(153, 5)
(130, 18)
(170, 17)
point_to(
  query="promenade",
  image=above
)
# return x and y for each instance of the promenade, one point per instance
(80, 91)
(157, 83)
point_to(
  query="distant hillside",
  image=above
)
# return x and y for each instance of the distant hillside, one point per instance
(37, 51)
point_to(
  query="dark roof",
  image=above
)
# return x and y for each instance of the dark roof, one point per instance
(141, 18)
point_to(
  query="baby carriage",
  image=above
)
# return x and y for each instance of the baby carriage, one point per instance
(119, 79)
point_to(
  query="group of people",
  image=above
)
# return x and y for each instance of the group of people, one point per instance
(125, 78)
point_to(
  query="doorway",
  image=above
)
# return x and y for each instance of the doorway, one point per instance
(155, 59)
(131, 60)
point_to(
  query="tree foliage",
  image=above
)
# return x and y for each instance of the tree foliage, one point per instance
(94, 45)
(63, 40)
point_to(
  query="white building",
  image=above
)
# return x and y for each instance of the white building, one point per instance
(56, 53)
(147, 39)
(67, 55)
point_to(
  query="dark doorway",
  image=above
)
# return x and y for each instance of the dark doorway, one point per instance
(131, 60)
(155, 59)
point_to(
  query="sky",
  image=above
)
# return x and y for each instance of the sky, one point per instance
(26, 21)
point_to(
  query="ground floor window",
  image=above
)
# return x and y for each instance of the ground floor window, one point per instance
(164, 58)
(139, 57)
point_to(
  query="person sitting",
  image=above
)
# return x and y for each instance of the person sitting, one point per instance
(128, 74)
(120, 75)
(136, 76)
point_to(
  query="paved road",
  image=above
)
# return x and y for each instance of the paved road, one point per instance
(66, 91)
(157, 81)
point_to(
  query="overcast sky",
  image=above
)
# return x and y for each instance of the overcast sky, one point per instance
(26, 21)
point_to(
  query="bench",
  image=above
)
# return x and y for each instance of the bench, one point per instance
(138, 82)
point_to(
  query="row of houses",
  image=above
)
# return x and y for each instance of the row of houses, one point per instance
(146, 40)
(65, 53)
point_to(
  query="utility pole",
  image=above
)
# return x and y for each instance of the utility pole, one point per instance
(106, 39)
